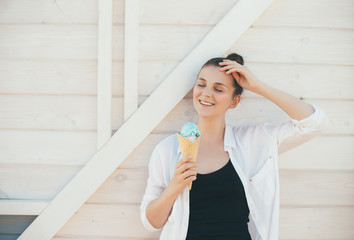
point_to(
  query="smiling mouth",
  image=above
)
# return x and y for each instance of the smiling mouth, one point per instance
(206, 103)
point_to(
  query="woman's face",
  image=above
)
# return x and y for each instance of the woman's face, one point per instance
(213, 92)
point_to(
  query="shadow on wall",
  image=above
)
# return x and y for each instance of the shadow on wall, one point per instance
(11, 227)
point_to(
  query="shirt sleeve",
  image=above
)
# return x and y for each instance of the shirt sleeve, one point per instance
(294, 132)
(155, 186)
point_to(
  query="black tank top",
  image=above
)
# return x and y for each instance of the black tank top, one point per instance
(218, 207)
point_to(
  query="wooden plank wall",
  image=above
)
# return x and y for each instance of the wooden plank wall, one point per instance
(48, 74)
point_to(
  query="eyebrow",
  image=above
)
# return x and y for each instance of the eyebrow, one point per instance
(217, 83)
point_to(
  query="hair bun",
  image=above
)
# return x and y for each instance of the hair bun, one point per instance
(235, 57)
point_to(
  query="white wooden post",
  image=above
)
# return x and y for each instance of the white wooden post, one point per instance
(171, 90)
(104, 78)
(131, 57)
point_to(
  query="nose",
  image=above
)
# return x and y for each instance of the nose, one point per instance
(206, 93)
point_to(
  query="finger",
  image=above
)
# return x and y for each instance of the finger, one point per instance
(226, 67)
(187, 166)
(189, 173)
(238, 70)
(231, 71)
(227, 61)
(183, 160)
(190, 179)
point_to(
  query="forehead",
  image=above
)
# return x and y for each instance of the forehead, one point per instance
(213, 74)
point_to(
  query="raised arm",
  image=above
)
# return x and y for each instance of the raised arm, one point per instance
(293, 106)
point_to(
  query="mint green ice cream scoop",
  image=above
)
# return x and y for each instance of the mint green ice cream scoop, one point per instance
(190, 131)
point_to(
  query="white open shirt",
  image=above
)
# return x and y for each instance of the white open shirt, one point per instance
(253, 151)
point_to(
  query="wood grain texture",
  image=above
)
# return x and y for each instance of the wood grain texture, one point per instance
(21, 207)
(297, 45)
(252, 111)
(122, 221)
(42, 41)
(69, 12)
(285, 45)
(316, 223)
(65, 77)
(312, 155)
(79, 113)
(78, 42)
(316, 188)
(311, 13)
(40, 147)
(49, 112)
(298, 170)
(33, 183)
(298, 188)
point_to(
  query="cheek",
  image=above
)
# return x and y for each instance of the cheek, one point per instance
(196, 92)
(222, 98)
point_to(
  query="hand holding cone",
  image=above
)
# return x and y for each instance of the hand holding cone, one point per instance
(189, 139)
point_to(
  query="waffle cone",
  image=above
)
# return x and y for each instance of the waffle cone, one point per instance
(189, 148)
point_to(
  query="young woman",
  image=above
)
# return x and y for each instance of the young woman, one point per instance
(235, 190)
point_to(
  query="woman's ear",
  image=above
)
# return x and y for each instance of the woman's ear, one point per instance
(236, 99)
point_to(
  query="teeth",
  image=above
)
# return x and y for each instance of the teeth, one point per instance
(205, 103)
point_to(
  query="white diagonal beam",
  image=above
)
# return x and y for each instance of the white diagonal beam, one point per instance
(133, 131)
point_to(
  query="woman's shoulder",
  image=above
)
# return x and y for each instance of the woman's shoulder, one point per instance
(168, 143)
(250, 129)
(246, 134)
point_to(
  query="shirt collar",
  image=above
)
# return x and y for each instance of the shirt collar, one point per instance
(229, 139)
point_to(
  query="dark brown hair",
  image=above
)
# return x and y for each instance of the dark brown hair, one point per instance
(234, 57)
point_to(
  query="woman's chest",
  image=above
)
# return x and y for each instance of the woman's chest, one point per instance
(211, 159)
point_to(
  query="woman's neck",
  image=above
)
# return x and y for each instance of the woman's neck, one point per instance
(212, 130)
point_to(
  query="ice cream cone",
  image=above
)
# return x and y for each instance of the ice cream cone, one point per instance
(189, 148)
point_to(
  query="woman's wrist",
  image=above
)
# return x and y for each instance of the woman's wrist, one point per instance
(260, 88)
(170, 194)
